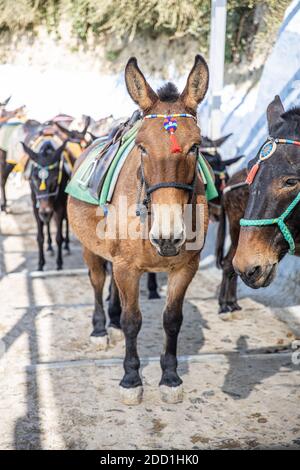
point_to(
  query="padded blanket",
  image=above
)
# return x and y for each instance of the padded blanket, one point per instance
(78, 186)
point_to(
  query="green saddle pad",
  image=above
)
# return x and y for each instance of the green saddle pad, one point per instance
(78, 189)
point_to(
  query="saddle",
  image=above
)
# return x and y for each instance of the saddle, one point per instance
(95, 179)
(108, 153)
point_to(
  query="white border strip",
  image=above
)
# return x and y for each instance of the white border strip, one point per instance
(198, 359)
(50, 273)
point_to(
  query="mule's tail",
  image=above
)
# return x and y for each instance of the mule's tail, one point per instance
(221, 239)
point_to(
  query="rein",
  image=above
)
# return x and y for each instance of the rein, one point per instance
(170, 125)
(266, 151)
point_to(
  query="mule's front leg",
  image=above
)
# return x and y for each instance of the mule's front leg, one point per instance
(49, 239)
(131, 321)
(97, 277)
(171, 384)
(39, 238)
(152, 286)
(2, 179)
(114, 313)
(59, 239)
(67, 237)
(228, 292)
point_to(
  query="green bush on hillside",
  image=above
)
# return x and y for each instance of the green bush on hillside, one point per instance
(248, 22)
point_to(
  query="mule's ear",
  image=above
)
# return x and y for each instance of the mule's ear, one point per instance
(221, 140)
(251, 163)
(59, 150)
(212, 159)
(233, 160)
(86, 124)
(197, 84)
(63, 129)
(274, 112)
(33, 155)
(5, 103)
(138, 87)
(92, 136)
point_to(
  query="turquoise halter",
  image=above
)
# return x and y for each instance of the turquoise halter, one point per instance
(271, 146)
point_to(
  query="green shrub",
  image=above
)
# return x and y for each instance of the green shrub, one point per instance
(250, 24)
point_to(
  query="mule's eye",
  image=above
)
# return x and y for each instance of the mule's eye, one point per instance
(194, 149)
(142, 150)
(291, 182)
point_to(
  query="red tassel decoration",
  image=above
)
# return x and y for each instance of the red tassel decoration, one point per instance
(252, 173)
(175, 147)
(170, 124)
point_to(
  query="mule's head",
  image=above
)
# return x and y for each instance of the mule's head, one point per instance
(81, 137)
(274, 187)
(18, 113)
(159, 161)
(45, 177)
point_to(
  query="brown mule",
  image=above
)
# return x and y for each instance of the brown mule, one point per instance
(170, 174)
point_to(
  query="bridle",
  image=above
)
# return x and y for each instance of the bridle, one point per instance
(266, 152)
(170, 125)
(43, 174)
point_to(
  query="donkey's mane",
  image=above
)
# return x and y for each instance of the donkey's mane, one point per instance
(168, 92)
(293, 113)
(290, 126)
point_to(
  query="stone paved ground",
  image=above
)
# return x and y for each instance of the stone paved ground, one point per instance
(57, 391)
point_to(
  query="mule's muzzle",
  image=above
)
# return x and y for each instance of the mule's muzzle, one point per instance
(256, 276)
(167, 247)
(45, 214)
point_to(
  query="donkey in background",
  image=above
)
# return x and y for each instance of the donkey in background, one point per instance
(48, 177)
(231, 202)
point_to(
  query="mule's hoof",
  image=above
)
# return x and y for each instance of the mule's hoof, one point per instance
(171, 394)
(153, 294)
(237, 315)
(101, 342)
(115, 334)
(235, 306)
(225, 316)
(131, 396)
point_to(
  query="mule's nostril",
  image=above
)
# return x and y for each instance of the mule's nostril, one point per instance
(253, 272)
(166, 241)
(156, 241)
